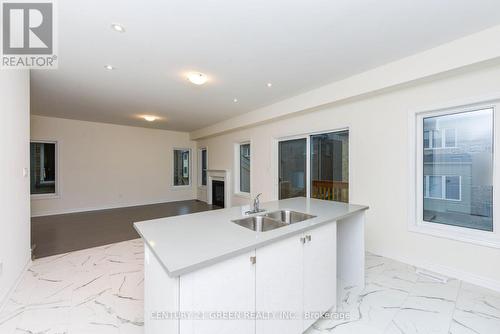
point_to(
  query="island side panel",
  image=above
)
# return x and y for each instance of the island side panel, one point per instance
(351, 250)
(161, 297)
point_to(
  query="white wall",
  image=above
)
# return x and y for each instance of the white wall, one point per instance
(14, 186)
(103, 165)
(379, 167)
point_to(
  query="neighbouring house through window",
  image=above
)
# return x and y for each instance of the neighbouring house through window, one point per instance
(458, 178)
(182, 160)
(43, 166)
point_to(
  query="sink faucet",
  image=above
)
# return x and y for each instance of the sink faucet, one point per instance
(256, 204)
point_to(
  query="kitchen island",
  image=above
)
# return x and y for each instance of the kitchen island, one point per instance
(204, 273)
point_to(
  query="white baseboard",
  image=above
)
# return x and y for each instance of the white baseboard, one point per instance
(9, 293)
(468, 277)
(105, 207)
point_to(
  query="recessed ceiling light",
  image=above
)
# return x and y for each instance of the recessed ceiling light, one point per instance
(149, 118)
(197, 78)
(118, 27)
(235, 100)
(269, 84)
(109, 67)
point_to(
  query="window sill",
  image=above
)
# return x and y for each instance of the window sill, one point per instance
(180, 187)
(44, 196)
(477, 237)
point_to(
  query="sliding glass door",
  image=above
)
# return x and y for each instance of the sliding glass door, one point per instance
(292, 168)
(330, 166)
(315, 166)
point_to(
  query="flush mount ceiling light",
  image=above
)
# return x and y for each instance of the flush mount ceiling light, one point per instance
(197, 78)
(109, 67)
(118, 27)
(235, 100)
(269, 84)
(149, 118)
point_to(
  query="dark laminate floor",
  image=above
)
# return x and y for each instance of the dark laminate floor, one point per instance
(68, 232)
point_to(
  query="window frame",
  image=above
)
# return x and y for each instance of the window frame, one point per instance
(200, 167)
(190, 162)
(57, 187)
(415, 199)
(237, 188)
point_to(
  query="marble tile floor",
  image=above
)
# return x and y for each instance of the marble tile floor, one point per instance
(100, 291)
(96, 290)
(396, 300)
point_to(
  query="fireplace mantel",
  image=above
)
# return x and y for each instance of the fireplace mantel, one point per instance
(217, 171)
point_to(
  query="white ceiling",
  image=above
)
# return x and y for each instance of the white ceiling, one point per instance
(241, 45)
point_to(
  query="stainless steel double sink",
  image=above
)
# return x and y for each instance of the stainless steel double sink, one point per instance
(272, 220)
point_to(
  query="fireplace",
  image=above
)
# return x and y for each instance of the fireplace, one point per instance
(218, 188)
(218, 193)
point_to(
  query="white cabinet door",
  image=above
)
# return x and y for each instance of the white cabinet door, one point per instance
(225, 289)
(320, 271)
(279, 286)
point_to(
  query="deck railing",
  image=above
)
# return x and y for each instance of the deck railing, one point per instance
(330, 190)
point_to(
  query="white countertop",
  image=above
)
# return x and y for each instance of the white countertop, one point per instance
(189, 242)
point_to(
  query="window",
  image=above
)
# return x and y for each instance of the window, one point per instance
(435, 187)
(242, 174)
(442, 187)
(43, 168)
(455, 166)
(444, 138)
(203, 166)
(182, 160)
(326, 176)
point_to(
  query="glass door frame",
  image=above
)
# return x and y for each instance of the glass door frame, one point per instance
(307, 136)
